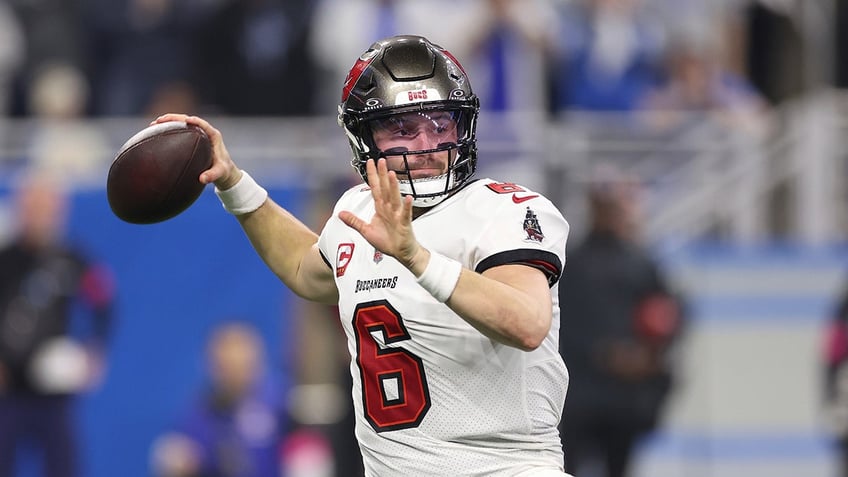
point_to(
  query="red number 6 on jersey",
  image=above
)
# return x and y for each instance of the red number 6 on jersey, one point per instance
(394, 387)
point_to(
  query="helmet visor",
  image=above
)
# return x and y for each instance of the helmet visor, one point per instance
(416, 132)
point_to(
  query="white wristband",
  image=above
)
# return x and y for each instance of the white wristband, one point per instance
(440, 276)
(244, 197)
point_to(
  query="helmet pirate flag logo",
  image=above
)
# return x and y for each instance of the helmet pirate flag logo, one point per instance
(532, 227)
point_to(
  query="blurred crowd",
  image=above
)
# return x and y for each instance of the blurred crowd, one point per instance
(289, 57)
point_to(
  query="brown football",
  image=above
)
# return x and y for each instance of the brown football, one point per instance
(154, 176)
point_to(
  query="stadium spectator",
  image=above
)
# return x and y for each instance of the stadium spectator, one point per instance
(774, 46)
(444, 284)
(48, 354)
(59, 140)
(236, 426)
(333, 43)
(139, 50)
(509, 42)
(835, 364)
(319, 405)
(841, 39)
(53, 32)
(619, 322)
(505, 48)
(320, 402)
(609, 55)
(696, 81)
(249, 58)
(12, 56)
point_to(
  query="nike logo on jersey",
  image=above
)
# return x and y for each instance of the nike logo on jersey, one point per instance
(519, 200)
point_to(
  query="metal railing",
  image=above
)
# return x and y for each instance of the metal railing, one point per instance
(782, 178)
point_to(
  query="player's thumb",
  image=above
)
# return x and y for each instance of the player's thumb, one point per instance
(214, 174)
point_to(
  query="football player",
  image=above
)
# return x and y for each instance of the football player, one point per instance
(445, 285)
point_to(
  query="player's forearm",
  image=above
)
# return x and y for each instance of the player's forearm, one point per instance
(500, 311)
(510, 304)
(284, 244)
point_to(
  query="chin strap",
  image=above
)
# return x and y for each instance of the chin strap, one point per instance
(435, 189)
(425, 202)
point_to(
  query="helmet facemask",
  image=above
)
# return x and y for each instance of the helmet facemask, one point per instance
(416, 139)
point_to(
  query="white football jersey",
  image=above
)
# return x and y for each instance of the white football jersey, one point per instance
(434, 396)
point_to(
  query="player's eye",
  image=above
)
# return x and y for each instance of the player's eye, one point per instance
(394, 127)
(443, 123)
(395, 151)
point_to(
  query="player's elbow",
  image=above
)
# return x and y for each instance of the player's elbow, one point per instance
(532, 333)
(530, 342)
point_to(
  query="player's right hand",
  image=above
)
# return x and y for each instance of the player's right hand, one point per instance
(223, 172)
(390, 228)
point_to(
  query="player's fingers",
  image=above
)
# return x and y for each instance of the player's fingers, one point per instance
(373, 179)
(211, 131)
(385, 182)
(407, 206)
(169, 117)
(351, 220)
(393, 188)
(214, 135)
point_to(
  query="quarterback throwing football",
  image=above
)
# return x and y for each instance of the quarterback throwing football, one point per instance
(445, 285)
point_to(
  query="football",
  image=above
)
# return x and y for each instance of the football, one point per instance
(154, 176)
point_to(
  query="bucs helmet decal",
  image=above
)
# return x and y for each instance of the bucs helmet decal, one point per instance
(355, 72)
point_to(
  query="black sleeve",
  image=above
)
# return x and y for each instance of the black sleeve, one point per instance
(548, 262)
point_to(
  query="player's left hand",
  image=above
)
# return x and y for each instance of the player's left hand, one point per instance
(390, 229)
